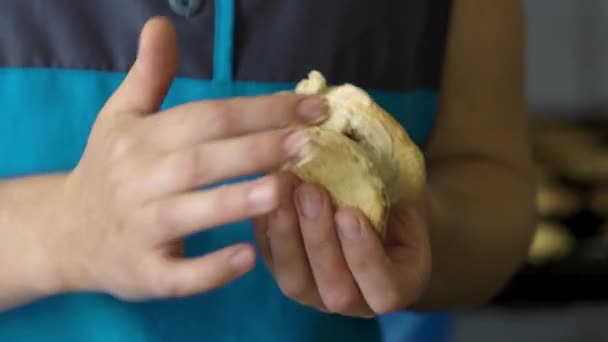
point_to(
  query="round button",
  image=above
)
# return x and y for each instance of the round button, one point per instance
(185, 8)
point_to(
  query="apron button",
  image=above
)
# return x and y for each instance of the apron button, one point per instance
(185, 8)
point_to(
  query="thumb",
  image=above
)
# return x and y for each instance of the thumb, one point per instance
(147, 83)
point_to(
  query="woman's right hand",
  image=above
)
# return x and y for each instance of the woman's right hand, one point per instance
(136, 192)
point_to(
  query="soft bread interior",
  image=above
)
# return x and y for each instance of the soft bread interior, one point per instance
(344, 168)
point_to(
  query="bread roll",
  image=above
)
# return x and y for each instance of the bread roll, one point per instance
(555, 200)
(578, 152)
(552, 241)
(360, 153)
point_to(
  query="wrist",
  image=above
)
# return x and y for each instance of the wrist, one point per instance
(31, 256)
(67, 270)
(425, 212)
(56, 267)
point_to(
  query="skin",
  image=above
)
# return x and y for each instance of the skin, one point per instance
(118, 220)
(464, 239)
(474, 222)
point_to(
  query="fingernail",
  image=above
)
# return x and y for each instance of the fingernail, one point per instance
(262, 194)
(294, 142)
(313, 109)
(241, 259)
(348, 226)
(309, 202)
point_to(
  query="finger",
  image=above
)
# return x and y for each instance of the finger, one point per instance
(196, 122)
(368, 262)
(185, 277)
(209, 163)
(260, 228)
(289, 260)
(260, 224)
(178, 216)
(147, 82)
(336, 285)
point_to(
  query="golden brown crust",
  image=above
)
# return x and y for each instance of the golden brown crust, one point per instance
(552, 241)
(382, 159)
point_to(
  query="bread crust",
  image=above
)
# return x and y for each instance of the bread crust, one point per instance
(360, 153)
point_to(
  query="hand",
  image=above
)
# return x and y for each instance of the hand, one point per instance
(334, 261)
(135, 194)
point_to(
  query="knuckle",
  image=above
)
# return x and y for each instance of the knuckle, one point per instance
(279, 108)
(158, 280)
(341, 301)
(121, 146)
(220, 118)
(190, 167)
(269, 146)
(166, 217)
(167, 287)
(320, 240)
(254, 156)
(363, 261)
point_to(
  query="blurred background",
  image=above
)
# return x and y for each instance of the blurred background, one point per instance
(562, 293)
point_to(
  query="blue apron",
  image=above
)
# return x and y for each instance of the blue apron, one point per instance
(46, 117)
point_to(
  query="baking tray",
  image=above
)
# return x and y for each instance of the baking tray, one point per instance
(565, 152)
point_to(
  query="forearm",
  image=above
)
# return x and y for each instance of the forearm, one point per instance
(480, 200)
(481, 216)
(27, 207)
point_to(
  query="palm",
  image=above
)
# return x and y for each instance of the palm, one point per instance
(408, 248)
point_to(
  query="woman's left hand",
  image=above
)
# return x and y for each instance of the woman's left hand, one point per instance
(335, 262)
